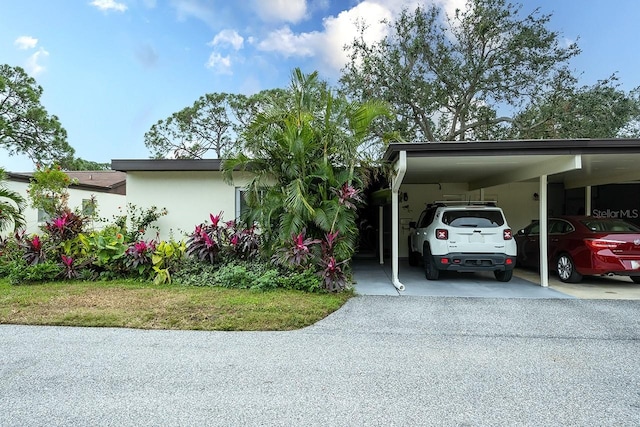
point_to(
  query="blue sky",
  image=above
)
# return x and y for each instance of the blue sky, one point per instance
(110, 69)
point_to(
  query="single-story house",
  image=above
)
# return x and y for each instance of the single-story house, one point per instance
(529, 179)
(190, 190)
(108, 188)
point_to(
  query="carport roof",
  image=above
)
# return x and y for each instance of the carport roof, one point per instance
(575, 163)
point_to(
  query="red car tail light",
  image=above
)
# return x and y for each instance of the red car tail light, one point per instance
(442, 234)
(597, 244)
(506, 234)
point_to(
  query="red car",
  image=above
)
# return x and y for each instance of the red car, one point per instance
(583, 245)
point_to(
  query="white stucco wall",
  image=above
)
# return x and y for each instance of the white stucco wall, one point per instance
(189, 197)
(108, 205)
(516, 200)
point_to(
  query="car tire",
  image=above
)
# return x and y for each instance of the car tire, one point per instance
(413, 256)
(503, 275)
(566, 269)
(636, 279)
(430, 270)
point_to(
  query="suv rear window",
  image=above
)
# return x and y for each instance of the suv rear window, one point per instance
(472, 219)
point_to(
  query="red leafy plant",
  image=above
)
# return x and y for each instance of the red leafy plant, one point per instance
(138, 256)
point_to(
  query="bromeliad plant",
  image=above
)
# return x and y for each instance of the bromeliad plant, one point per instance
(66, 226)
(207, 241)
(33, 249)
(244, 243)
(138, 257)
(299, 253)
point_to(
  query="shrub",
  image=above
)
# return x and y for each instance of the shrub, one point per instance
(136, 221)
(138, 257)
(207, 240)
(21, 273)
(193, 272)
(306, 280)
(65, 226)
(166, 259)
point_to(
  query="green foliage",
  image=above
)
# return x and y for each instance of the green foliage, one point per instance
(78, 164)
(166, 259)
(300, 153)
(12, 206)
(22, 273)
(568, 112)
(249, 275)
(193, 272)
(137, 221)
(108, 247)
(306, 280)
(48, 190)
(25, 125)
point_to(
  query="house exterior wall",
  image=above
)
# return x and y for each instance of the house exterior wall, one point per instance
(188, 196)
(108, 205)
(516, 200)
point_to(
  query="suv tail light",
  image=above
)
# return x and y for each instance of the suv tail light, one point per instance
(442, 234)
(506, 234)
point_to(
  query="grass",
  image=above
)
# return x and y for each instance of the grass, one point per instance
(130, 304)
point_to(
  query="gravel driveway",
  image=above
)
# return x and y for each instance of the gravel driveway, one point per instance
(379, 361)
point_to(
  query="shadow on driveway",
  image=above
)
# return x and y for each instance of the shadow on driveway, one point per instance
(374, 279)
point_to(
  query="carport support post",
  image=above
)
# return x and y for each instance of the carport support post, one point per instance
(543, 237)
(401, 168)
(587, 200)
(381, 232)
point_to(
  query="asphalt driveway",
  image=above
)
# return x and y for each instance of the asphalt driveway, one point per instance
(379, 361)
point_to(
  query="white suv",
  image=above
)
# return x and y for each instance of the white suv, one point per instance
(463, 236)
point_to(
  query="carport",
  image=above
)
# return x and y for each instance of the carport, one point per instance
(578, 163)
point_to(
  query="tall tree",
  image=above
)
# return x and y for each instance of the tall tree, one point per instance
(25, 125)
(211, 127)
(447, 77)
(12, 205)
(569, 111)
(304, 157)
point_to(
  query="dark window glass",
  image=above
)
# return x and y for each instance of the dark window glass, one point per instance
(473, 219)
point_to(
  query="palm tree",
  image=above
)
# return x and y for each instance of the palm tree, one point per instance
(301, 154)
(12, 206)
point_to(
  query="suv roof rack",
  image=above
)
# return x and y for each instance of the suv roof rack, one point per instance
(464, 202)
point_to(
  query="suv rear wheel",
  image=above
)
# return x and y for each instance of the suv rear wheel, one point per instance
(430, 270)
(503, 275)
(413, 255)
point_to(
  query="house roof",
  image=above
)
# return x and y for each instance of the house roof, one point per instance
(575, 163)
(131, 165)
(109, 181)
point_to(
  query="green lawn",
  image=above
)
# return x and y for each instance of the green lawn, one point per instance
(131, 304)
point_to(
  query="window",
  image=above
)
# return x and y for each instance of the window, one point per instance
(474, 219)
(241, 203)
(89, 207)
(43, 216)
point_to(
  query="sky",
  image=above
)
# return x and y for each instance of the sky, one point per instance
(110, 69)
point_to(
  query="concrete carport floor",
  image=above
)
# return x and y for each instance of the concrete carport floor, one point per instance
(372, 278)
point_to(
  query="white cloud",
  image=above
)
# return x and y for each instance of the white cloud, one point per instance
(106, 5)
(228, 37)
(286, 43)
(33, 65)
(329, 44)
(25, 42)
(220, 64)
(197, 9)
(281, 10)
